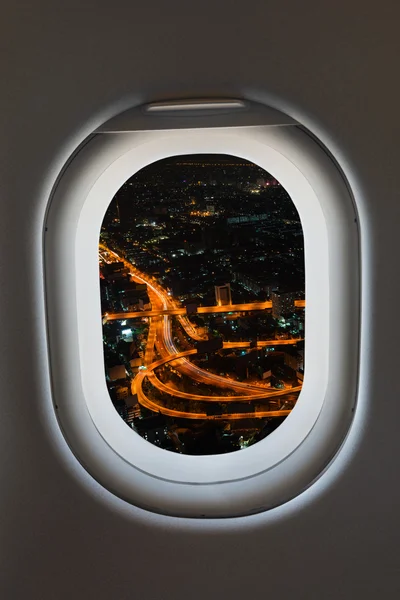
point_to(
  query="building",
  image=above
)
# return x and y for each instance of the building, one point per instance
(293, 360)
(122, 392)
(117, 372)
(135, 301)
(282, 303)
(135, 362)
(212, 345)
(256, 283)
(191, 305)
(223, 294)
(114, 271)
(122, 409)
(153, 429)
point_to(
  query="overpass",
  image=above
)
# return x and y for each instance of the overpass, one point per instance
(250, 306)
(256, 392)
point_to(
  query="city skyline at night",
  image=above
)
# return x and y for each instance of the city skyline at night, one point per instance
(202, 290)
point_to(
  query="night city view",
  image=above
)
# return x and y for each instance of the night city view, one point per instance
(203, 298)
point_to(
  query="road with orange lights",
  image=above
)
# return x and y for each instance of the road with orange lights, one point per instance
(247, 307)
(160, 339)
(254, 391)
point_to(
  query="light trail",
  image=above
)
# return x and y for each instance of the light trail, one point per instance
(146, 402)
(160, 336)
(267, 394)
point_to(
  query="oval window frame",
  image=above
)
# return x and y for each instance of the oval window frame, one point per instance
(288, 460)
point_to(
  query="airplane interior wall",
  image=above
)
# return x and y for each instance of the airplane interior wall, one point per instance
(68, 67)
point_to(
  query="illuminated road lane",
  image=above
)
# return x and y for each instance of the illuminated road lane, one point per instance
(160, 335)
(256, 394)
(267, 393)
(144, 401)
(201, 310)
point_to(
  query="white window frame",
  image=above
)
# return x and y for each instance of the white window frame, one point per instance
(286, 462)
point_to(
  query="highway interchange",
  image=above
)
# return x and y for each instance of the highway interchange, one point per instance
(160, 339)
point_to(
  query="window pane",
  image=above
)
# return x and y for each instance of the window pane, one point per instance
(202, 290)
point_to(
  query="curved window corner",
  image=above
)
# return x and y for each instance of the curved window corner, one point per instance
(149, 327)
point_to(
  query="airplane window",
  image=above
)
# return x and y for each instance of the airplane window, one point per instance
(193, 266)
(202, 292)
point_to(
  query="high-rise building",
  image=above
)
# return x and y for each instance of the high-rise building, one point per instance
(282, 303)
(293, 360)
(223, 294)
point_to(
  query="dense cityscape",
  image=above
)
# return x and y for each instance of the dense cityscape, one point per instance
(202, 291)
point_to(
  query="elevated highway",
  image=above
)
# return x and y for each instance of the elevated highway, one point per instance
(160, 337)
(256, 391)
(246, 307)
